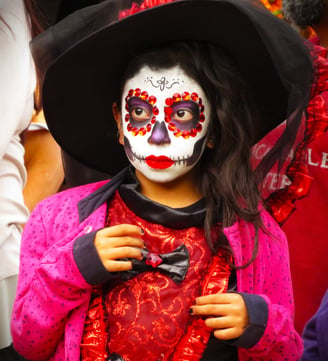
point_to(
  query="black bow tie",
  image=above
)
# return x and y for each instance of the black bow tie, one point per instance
(174, 264)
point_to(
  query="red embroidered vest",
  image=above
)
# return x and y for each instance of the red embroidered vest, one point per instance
(147, 317)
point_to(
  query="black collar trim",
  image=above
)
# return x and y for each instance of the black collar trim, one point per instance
(127, 185)
(93, 201)
(179, 218)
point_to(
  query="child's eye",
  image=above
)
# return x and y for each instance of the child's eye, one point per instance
(140, 114)
(183, 115)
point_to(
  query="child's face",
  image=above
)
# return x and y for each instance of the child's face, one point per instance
(165, 117)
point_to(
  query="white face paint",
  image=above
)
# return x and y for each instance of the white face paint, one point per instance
(165, 116)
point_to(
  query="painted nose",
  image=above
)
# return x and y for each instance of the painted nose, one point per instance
(159, 134)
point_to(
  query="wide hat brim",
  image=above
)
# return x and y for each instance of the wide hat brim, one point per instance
(82, 83)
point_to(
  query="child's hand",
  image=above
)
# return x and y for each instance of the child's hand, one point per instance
(227, 314)
(117, 242)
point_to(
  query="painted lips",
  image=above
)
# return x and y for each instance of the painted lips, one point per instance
(161, 162)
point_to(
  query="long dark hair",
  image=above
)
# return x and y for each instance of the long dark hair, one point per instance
(226, 177)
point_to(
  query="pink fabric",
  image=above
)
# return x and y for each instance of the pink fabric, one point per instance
(53, 297)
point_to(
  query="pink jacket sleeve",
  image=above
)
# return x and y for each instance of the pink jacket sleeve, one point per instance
(51, 290)
(268, 276)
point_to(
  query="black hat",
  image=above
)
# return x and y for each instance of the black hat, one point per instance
(81, 61)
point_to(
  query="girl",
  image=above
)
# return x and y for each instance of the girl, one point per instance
(174, 258)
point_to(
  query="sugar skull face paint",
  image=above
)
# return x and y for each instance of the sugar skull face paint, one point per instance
(165, 117)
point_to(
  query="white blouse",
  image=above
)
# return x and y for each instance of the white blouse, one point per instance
(17, 84)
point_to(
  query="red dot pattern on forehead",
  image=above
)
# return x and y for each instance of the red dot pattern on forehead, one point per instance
(169, 102)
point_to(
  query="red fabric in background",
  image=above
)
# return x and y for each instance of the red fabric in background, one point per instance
(307, 226)
(306, 229)
(307, 234)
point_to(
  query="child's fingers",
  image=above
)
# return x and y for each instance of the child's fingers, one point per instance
(226, 327)
(230, 320)
(221, 304)
(118, 242)
(119, 236)
(119, 253)
(112, 258)
(121, 230)
(113, 242)
(211, 310)
(230, 311)
(228, 333)
(117, 266)
(219, 322)
(218, 298)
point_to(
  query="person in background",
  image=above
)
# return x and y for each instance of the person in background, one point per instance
(43, 163)
(18, 24)
(174, 258)
(17, 85)
(308, 13)
(315, 334)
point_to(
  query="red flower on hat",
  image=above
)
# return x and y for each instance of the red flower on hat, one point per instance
(274, 6)
(147, 4)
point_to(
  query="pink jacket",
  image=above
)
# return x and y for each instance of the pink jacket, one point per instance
(52, 297)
